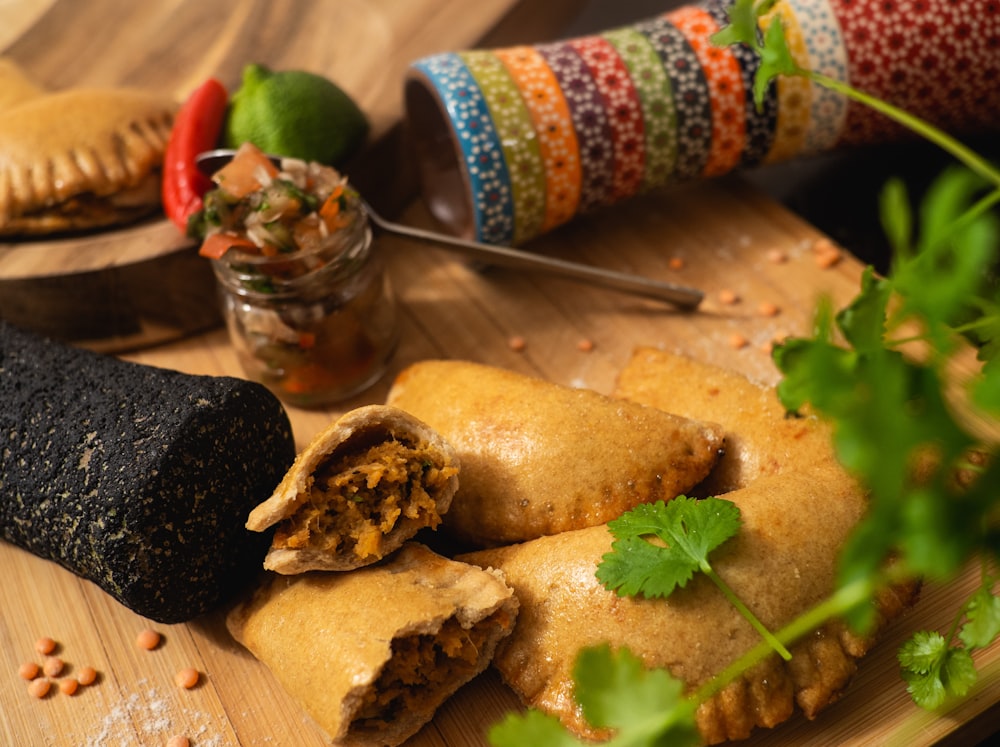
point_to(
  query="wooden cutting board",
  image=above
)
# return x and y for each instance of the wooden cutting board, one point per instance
(725, 234)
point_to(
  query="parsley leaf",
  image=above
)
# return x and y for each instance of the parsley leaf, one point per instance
(690, 529)
(532, 727)
(933, 670)
(615, 690)
(983, 624)
(684, 531)
(644, 707)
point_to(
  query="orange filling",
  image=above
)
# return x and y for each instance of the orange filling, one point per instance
(358, 498)
(417, 677)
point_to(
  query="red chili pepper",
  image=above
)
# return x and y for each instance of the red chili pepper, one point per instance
(196, 128)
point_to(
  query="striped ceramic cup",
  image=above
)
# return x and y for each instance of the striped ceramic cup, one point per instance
(514, 142)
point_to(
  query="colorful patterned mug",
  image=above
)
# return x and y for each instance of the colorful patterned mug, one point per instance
(514, 142)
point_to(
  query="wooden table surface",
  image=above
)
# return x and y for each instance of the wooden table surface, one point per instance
(725, 233)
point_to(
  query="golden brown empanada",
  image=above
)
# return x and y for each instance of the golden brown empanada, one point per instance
(81, 158)
(540, 458)
(363, 486)
(761, 438)
(371, 654)
(781, 563)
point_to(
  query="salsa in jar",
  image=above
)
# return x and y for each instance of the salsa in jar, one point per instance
(307, 303)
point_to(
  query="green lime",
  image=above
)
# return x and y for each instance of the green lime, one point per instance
(294, 113)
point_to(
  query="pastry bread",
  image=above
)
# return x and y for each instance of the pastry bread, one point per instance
(364, 485)
(798, 507)
(761, 438)
(540, 458)
(781, 563)
(81, 159)
(372, 653)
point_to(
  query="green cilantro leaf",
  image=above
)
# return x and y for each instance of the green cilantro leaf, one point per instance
(532, 727)
(933, 670)
(644, 707)
(690, 529)
(983, 619)
(616, 691)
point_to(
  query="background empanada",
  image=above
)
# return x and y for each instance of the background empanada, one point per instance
(81, 159)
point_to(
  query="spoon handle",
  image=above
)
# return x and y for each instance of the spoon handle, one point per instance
(681, 296)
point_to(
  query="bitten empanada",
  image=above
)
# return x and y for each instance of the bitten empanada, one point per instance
(540, 458)
(80, 159)
(363, 486)
(371, 654)
(783, 562)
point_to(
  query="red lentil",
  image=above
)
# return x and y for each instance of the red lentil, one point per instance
(585, 345)
(53, 666)
(728, 296)
(28, 671)
(766, 308)
(87, 676)
(178, 741)
(187, 678)
(676, 263)
(39, 688)
(45, 645)
(68, 686)
(517, 343)
(737, 341)
(147, 639)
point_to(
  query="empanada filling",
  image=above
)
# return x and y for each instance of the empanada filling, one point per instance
(421, 665)
(359, 496)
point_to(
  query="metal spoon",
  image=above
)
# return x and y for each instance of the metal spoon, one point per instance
(689, 298)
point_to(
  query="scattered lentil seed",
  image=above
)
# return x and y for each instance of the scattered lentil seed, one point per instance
(45, 645)
(777, 256)
(53, 666)
(187, 678)
(39, 688)
(676, 263)
(517, 343)
(148, 639)
(826, 253)
(68, 686)
(585, 345)
(28, 671)
(728, 296)
(178, 741)
(766, 308)
(87, 676)
(737, 341)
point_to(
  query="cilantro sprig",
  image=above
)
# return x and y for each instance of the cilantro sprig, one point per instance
(880, 370)
(688, 530)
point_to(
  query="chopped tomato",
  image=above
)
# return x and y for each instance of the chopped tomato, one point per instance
(330, 211)
(241, 175)
(217, 244)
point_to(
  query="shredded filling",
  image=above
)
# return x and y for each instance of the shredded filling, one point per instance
(355, 500)
(420, 666)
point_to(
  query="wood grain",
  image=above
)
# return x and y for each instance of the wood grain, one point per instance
(724, 233)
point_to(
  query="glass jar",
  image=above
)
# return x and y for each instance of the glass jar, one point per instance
(314, 326)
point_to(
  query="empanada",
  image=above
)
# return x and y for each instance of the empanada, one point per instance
(761, 438)
(781, 563)
(371, 654)
(362, 487)
(81, 158)
(540, 458)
